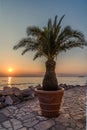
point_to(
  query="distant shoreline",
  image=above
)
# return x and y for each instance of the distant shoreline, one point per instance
(43, 76)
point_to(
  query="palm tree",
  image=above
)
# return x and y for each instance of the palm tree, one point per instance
(48, 42)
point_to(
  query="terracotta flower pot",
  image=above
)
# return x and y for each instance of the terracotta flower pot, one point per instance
(50, 102)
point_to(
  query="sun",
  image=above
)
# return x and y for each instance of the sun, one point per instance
(10, 70)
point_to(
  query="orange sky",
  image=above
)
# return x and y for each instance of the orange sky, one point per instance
(66, 63)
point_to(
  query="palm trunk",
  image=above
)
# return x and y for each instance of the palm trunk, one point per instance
(50, 80)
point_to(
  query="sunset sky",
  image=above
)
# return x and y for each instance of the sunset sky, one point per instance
(17, 15)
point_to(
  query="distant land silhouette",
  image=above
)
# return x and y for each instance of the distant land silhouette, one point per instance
(42, 74)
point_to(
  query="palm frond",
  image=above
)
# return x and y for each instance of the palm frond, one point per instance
(72, 44)
(25, 50)
(22, 43)
(33, 31)
(50, 40)
(78, 34)
(49, 24)
(55, 22)
(60, 20)
(38, 54)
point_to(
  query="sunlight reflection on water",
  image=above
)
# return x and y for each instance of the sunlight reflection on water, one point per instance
(9, 81)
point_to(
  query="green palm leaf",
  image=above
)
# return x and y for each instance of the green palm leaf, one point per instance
(50, 40)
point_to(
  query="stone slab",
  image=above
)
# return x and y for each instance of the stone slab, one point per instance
(3, 117)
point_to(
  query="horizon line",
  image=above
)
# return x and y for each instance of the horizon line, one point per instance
(42, 74)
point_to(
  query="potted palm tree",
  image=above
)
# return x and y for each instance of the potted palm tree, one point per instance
(48, 42)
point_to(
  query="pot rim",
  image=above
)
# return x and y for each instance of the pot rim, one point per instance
(44, 91)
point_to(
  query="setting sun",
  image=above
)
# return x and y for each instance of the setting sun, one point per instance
(10, 70)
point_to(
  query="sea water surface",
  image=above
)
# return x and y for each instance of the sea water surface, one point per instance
(25, 82)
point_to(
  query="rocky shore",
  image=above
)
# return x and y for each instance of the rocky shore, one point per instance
(11, 96)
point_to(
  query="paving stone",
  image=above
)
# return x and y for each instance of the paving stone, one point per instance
(6, 112)
(70, 129)
(27, 116)
(41, 118)
(31, 129)
(10, 128)
(78, 128)
(80, 125)
(12, 107)
(16, 111)
(7, 124)
(30, 119)
(73, 124)
(17, 126)
(66, 124)
(3, 117)
(44, 125)
(23, 128)
(53, 128)
(15, 122)
(63, 118)
(59, 127)
(77, 117)
(84, 129)
(30, 123)
(3, 129)
(0, 126)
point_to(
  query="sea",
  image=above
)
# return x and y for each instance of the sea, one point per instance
(25, 82)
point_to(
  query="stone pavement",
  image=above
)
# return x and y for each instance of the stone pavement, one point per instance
(26, 116)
